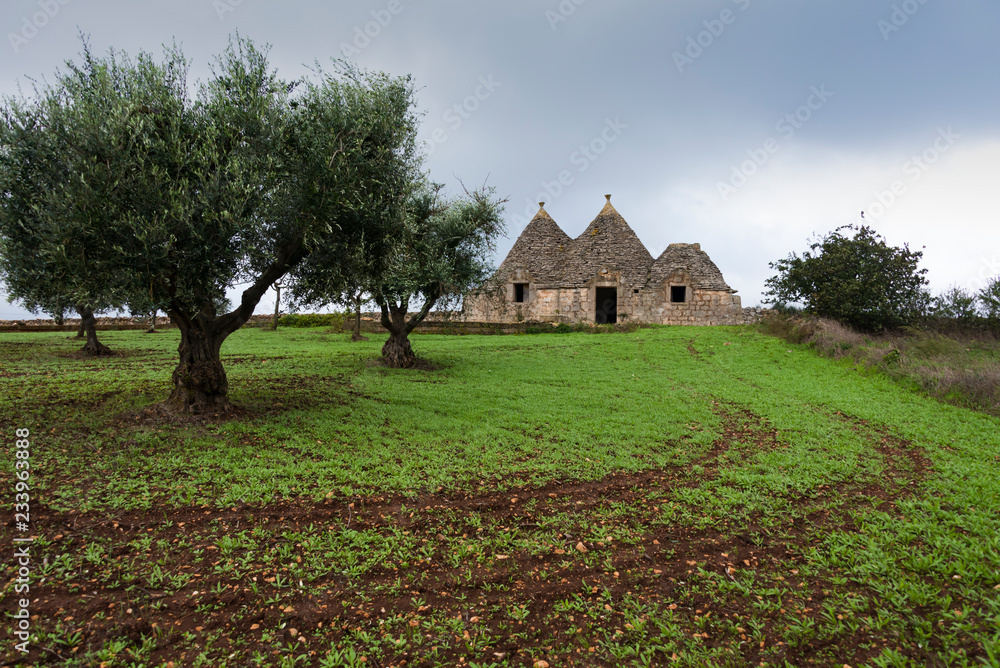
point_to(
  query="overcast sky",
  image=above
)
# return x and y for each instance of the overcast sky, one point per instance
(744, 125)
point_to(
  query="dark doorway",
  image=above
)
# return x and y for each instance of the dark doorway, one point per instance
(678, 293)
(520, 292)
(607, 306)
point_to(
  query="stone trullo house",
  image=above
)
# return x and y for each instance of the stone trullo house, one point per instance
(605, 275)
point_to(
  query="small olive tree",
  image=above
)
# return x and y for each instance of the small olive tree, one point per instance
(442, 253)
(439, 251)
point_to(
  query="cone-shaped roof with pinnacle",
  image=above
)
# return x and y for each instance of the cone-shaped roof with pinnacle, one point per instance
(690, 257)
(607, 242)
(541, 249)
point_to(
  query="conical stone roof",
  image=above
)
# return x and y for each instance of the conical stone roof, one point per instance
(607, 242)
(541, 249)
(704, 274)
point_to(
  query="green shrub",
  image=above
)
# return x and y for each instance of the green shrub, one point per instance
(333, 320)
(857, 279)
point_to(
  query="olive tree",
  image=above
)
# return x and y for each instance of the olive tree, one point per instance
(440, 251)
(235, 185)
(55, 199)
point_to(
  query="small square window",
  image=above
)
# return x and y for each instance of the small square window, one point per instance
(520, 292)
(635, 292)
(678, 293)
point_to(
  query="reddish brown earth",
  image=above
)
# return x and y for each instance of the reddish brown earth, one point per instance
(662, 566)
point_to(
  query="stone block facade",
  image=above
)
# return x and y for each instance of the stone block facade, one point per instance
(604, 275)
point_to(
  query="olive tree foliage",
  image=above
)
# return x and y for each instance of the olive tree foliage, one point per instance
(238, 184)
(443, 251)
(350, 292)
(856, 278)
(338, 277)
(440, 251)
(56, 198)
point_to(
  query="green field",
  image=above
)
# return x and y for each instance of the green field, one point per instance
(671, 496)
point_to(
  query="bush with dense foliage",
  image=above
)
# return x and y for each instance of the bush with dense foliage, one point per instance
(857, 279)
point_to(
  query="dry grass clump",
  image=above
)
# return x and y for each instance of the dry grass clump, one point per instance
(961, 368)
(976, 387)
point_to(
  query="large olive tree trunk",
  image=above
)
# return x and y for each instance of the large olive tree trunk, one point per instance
(87, 326)
(200, 383)
(397, 351)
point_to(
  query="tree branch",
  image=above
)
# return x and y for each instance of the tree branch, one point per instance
(417, 319)
(287, 257)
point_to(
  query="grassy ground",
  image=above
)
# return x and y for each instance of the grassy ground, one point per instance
(681, 496)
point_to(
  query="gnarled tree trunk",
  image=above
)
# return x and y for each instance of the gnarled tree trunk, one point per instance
(152, 323)
(87, 326)
(200, 383)
(397, 352)
(277, 305)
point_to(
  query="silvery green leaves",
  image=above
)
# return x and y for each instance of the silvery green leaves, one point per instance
(440, 252)
(174, 198)
(57, 190)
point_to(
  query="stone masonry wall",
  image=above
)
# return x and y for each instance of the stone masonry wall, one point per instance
(704, 307)
(572, 305)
